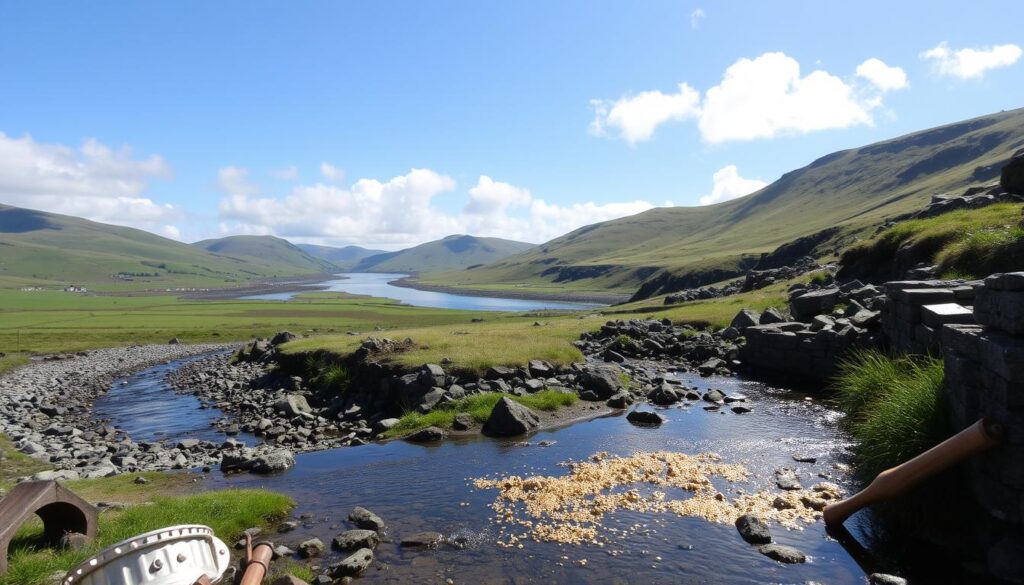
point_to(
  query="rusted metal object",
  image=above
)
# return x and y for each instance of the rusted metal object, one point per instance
(256, 563)
(60, 509)
(176, 555)
(976, 438)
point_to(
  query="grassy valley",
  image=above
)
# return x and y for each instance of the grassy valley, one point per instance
(452, 253)
(344, 258)
(854, 191)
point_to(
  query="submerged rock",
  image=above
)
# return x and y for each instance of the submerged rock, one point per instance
(645, 418)
(422, 539)
(356, 539)
(782, 553)
(352, 565)
(364, 518)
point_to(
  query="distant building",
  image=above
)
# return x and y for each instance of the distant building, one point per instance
(74, 288)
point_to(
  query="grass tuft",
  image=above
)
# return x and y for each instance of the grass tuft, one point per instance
(479, 406)
(895, 408)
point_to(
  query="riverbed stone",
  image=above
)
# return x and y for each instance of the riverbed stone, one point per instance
(273, 462)
(431, 375)
(427, 435)
(645, 418)
(787, 479)
(603, 380)
(782, 553)
(364, 518)
(356, 539)
(463, 421)
(293, 405)
(424, 539)
(352, 565)
(753, 529)
(313, 547)
(509, 418)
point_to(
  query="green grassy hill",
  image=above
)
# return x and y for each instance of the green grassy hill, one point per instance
(47, 249)
(344, 258)
(852, 190)
(451, 253)
(267, 250)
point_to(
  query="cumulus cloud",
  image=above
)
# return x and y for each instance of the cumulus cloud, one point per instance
(882, 76)
(288, 173)
(400, 212)
(93, 181)
(635, 117)
(757, 98)
(970, 63)
(332, 173)
(235, 180)
(728, 184)
(696, 16)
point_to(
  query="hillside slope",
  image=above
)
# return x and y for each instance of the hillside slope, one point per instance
(267, 250)
(451, 253)
(851, 190)
(344, 258)
(48, 249)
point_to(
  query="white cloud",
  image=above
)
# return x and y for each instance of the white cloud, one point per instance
(882, 76)
(767, 96)
(757, 98)
(288, 173)
(970, 63)
(93, 181)
(696, 16)
(331, 172)
(399, 212)
(235, 180)
(728, 184)
(636, 117)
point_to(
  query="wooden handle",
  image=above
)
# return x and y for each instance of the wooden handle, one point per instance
(893, 482)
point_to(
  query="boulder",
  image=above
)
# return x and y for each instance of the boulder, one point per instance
(282, 337)
(427, 435)
(664, 395)
(807, 305)
(620, 400)
(1012, 176)
(422, 539)
(509, 418)
(772, 315)
(352, 565)
(714, 395)
(463, 421)
(540, 369)
(645, 418)
(431, 375)
(782, 553)
(384, 425)
(364, 518)
(745, 318)
(753, 529)
(356, 539)
(293, 405)
(313, 547)
(603, 380)
(273, 462)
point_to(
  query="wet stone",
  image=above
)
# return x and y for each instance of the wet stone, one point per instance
(782, 553)
(753, 529)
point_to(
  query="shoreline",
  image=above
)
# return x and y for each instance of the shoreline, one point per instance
(602, 300)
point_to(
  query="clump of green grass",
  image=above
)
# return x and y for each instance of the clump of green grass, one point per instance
(14, 464)
(227, 512)
(327, 376)
(895, 408)
(479, 406)
(11, 361)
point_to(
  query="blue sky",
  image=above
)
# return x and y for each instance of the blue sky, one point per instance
(391, 123)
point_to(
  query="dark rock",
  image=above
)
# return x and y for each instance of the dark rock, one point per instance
(753, 529)
(282, 337)
(799, 458)
(603, 380)
(664, 395)
(745, 318)
(352, 565)
(463, 422)
(620, 400)
(509, 418)
(740, 409)
(645, 418)
(1012, 176)
(364, 518)
(422, 539)
(427, 435)
(782, 553)
(432, 375)
(772, 315)
(356, 539)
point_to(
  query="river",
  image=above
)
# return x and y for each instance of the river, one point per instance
(428, 487)
(379, 285)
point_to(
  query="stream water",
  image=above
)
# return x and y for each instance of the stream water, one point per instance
(379, 285)
(428, 487)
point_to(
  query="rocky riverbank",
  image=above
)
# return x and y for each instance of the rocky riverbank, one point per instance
(46, 410)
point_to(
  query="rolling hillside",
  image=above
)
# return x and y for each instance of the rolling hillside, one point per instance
(451, 253)
(851, 190)
(267, 250)
(344, 258)
(47, 249)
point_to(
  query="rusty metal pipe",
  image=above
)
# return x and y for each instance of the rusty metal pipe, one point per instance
(257, 562)
(976, 438)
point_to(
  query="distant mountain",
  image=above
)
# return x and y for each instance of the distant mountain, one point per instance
(40, 248)
(267, 249)
(451, 253)
(830, 202)
(343, 258)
